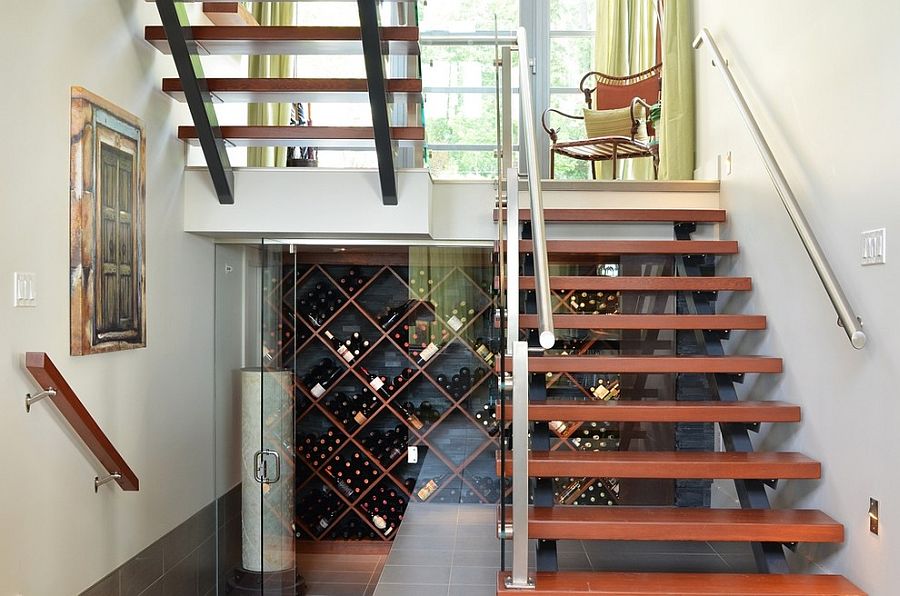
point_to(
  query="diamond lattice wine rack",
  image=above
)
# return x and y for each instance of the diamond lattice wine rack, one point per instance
(387, 350)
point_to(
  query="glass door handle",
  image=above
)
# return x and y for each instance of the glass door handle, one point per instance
(267, 461)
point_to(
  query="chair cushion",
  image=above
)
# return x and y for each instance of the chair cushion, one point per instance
(610, 123)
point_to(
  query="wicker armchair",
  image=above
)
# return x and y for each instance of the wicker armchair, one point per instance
(611, 92)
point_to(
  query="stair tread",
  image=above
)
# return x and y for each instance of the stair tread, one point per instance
(331, 40)
(625, 215)
(636, 282)
(568, 522)
(566, 583)
(648, 321)
(653, 364)
(270, 136)
(634, 247)
(243, 89)
(661, 411)
(670, 464)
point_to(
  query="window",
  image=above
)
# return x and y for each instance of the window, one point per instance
(459, 82)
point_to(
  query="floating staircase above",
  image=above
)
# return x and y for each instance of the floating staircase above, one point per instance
(622, 339)
(235, 32)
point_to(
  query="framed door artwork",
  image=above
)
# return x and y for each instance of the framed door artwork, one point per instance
(107, 220)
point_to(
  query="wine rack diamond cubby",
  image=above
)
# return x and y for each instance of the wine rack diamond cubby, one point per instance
(390, 350)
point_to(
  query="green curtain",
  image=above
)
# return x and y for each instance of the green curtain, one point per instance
(676, 137)
(270, 114)
(626, 44)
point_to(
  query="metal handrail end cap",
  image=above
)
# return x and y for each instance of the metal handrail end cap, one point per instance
(858, 339)
(548, 339)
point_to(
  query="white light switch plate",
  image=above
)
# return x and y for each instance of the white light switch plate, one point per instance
(412, 454)
(874, 248)
(24, 291)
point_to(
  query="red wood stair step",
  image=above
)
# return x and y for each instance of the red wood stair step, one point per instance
(288, 89)
(651, 321)
(242, 40)
(605, 583)
(681, 523)
(652, 364)
(271, 136)
(640, 283)
(625, 215)
(660, 411)
(633, 247)
(669, 464)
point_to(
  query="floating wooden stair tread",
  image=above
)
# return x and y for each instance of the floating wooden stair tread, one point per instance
(639, 283)
(669, 464)
(681, 523)
(611, 321)
(229, 13)
(604, 583)
(625, 215)
(348, 137)
(635, 247)
(274, 90)
(661, 411)
(653, 364)
(239, 40)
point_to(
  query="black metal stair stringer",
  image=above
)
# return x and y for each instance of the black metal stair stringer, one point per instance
(371, 42)
(190, 71)
(769, 556)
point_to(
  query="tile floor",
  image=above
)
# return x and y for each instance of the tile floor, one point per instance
(452, 550)
(328, 574)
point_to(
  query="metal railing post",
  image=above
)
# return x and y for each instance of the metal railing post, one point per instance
(847, 319)
(519, 577)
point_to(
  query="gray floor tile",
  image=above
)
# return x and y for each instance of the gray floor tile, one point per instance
(416, 574)
(321, 576)
(601, 547)
(732, 548)
(411, 590)
(402, 542)
(740, 563)
(484, 542)
(663, 563)
(429, 529)
(572, 561)
(477, 514)
(477, 558)
(422, 556)
(473, 576)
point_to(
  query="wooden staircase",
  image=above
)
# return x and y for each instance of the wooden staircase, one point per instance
(557, 414)
(396, 102)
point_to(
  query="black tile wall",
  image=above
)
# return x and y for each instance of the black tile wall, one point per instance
(183, 562)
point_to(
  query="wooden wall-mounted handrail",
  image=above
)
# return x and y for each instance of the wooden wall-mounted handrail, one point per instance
(63, 397)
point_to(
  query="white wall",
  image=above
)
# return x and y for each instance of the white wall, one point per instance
(56, 536)
(820, 76)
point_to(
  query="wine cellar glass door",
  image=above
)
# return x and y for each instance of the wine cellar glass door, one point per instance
(273, 452)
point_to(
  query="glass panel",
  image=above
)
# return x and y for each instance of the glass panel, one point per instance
(573, 15)
(570, 59)
(274, 467)
(468, 15)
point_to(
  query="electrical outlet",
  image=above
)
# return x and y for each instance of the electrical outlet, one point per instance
(873, 516)
(412, 454)
(874, 247)
(24, 291)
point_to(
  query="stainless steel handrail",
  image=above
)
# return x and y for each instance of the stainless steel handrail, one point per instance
(847, 319)
(538, 233)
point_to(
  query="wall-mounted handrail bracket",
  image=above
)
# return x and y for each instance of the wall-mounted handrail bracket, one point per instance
(98, 482)
(848, 320)
(33, 399)
(63, 397)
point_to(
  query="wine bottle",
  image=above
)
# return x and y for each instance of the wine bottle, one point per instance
(376, 383)
(482, 349)
(340, 348)
(425, 355)
(430, 487)
(329, 371)
(408, 412)
(393, 314)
